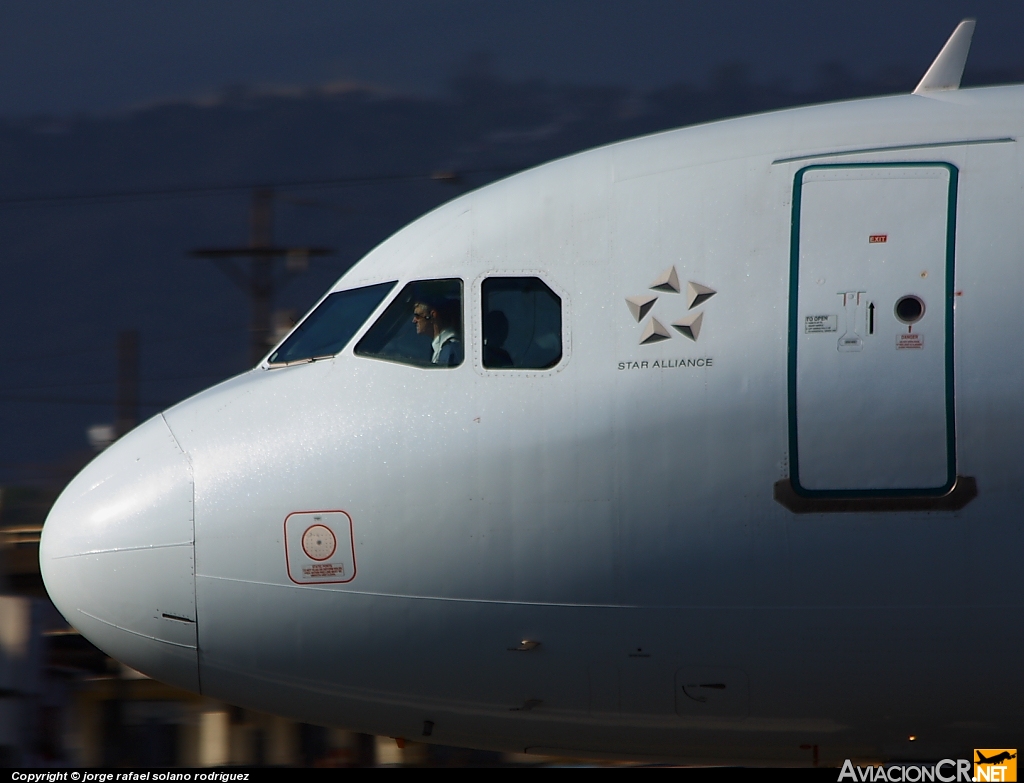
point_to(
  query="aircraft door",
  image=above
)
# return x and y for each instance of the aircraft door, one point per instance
(870, 333)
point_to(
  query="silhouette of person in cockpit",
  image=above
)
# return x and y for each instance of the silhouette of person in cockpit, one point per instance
(440, 320)
(495, 334)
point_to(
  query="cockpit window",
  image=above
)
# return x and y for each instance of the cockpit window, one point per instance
(522, 324)
(327, 330)
(422, 326)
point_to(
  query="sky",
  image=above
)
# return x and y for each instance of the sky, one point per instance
(66, 56)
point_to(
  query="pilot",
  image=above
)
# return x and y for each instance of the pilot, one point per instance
(440, 319)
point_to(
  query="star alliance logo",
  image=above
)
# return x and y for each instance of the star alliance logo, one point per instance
(689, 325)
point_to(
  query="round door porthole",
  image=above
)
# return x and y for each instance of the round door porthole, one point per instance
(909, 309)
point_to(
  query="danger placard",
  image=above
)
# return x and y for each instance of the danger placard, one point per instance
(909, 342)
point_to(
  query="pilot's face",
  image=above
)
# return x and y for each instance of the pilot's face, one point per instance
(421, 316)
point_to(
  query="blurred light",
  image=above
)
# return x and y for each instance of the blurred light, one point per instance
(214, 736)
(101, 435)
(15, 625)
(449, 177)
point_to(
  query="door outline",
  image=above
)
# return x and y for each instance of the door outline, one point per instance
(794, 285)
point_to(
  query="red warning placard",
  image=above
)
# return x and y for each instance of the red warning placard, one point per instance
(909, 342)
(319, 547)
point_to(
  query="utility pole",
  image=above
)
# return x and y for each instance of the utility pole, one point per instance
(260, 282)
(127, 381)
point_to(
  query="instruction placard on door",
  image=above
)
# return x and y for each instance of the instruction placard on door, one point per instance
(820, 324)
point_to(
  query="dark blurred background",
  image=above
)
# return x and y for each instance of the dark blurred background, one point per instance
(133, 134)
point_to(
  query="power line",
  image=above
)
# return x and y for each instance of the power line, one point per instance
(189, 191)
(259, 281)
(97, 349)
(80, 384)
(106, 402)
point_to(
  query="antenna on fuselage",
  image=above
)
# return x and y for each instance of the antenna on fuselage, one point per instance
(947, 70)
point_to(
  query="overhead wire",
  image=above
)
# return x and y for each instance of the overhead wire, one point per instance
(105, 402)
(96, 349)
(187, 191)
(111, 382)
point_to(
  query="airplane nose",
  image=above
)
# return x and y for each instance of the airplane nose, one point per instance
(117, 555)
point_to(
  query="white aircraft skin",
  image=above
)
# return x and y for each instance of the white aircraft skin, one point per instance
(621, 514)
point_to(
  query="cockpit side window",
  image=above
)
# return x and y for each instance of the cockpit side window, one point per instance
(327, 330)
(522, 324)
(421, 327)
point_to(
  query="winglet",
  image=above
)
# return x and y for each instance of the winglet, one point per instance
(945, 73)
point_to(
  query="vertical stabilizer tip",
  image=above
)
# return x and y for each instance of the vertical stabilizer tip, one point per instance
(947, 70)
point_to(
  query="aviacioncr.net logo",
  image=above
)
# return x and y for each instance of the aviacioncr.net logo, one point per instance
(999, 764)
(945, 771)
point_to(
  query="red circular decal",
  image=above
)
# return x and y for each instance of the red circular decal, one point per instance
(318, 542)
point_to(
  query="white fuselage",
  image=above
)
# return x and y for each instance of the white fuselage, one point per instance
(620, 508)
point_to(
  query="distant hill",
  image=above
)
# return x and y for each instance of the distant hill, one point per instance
(76, 271)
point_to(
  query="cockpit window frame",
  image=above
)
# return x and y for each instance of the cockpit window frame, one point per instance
(402, 288)
(475, 306)
(356, 335)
